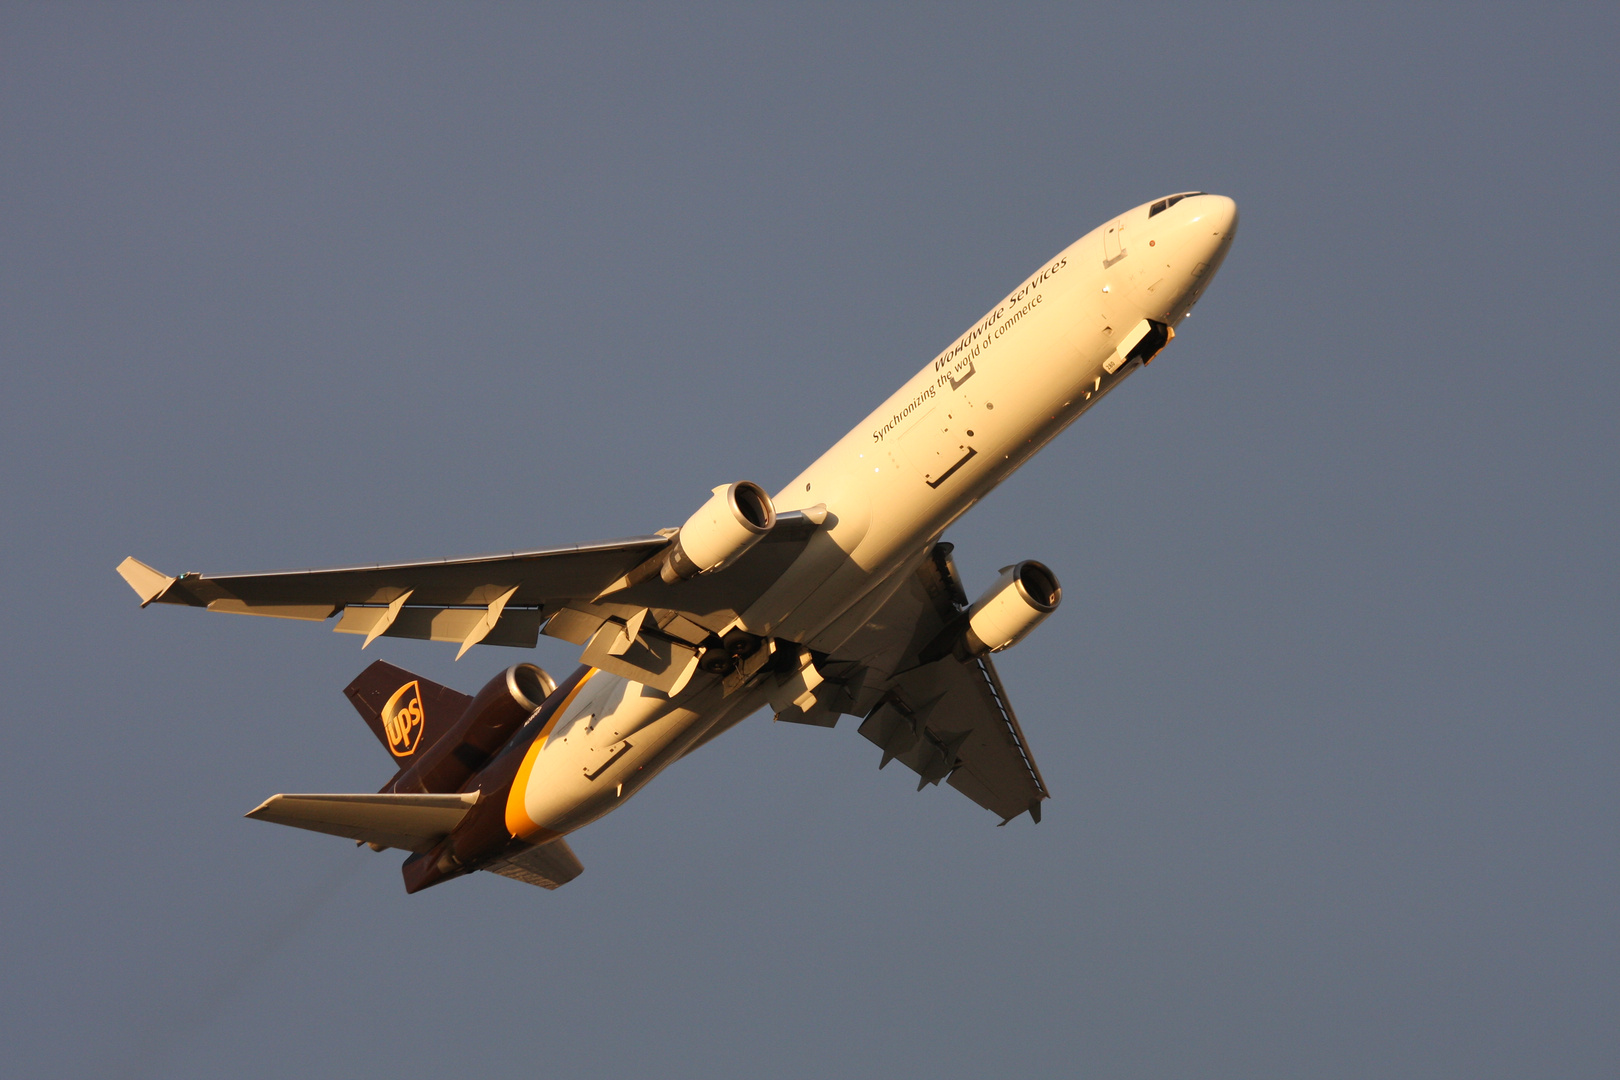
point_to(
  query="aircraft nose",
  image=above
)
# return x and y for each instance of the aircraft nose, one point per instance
(1215, 219)
(1192, 236)
(1206, 237)
(1222, 212)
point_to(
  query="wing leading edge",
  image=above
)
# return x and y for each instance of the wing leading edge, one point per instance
(508, 598)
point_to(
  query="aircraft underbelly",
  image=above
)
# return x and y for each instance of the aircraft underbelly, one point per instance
(609, 744)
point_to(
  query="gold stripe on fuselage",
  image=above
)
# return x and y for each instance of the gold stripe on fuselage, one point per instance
(518, 822)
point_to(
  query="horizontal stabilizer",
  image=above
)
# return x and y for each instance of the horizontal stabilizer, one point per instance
(411, 822)
(547, 865)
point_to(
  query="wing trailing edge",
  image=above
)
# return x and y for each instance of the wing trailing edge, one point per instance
(579, 593)
(415, 823)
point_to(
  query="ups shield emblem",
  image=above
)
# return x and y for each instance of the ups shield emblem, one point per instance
(402, 720)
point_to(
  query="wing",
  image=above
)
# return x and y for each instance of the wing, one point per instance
(506, 599)
(945, 717)
(950, 721)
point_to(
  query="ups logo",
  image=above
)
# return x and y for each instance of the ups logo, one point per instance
(402, 720)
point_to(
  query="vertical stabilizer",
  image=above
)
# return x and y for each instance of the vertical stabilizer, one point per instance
(406, 712)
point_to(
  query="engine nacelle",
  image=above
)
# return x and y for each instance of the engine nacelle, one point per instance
(492, 718)
(732, 521)
(1015, 604)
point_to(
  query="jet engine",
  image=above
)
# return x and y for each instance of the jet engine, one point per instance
(492, 718)
(1016, 603)
(732, 521)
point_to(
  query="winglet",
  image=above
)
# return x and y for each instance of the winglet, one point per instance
(149, 584)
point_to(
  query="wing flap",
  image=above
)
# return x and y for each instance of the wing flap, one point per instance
(411, 822)
(946, 721)
(518, 628)
(306, 612)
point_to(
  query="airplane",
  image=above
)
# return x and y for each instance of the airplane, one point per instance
(835, 596)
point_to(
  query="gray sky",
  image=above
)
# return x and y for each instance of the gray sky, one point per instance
(1329, 713)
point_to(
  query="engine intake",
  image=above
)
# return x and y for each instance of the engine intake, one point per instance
(732, 521)
(492, 718)
(1016, 603)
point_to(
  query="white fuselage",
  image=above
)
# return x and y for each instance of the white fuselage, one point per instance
(1022, 373)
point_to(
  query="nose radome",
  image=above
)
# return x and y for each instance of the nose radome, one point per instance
(1217, 211)
(1193, 234)
(1208, 236)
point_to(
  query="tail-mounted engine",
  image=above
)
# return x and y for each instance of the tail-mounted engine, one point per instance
(492, 718)
(732, 521)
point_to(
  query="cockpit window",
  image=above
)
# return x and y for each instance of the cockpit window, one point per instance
(1165, 204)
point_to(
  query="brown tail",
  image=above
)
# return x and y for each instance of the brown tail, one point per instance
(406, 712)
